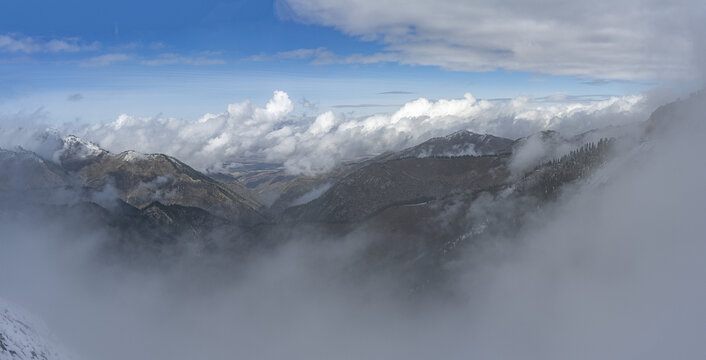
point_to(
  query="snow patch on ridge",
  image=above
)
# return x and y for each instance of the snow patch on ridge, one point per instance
(132, 155)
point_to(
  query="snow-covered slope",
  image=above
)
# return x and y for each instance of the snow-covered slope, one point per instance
(77, 152)
(22, 337)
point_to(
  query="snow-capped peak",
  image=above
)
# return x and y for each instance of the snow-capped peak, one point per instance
(81, 148)
(132, 155)
(75, 149)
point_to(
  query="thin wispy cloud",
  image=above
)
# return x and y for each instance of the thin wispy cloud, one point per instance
(75, 97)
(320, 55)
(603, 82)
(323, 56)
(161, 60)
(563, 98)
(15, 43)
(106, 59)
(177, 59)
(354, 106)
(304, 102)
(395, 93)
(136, 51)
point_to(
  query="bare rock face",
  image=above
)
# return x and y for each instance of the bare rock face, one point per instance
(24, 338)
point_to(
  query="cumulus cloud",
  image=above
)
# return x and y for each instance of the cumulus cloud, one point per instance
(310, 145)
(606, 39)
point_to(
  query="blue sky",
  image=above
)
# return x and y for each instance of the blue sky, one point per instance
(93, 60)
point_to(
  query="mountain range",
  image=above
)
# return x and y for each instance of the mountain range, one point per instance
(415, 211)
(417, 205)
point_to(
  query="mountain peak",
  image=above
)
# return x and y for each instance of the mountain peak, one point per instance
(459, 143)
(82, 147)
(76, 152)
(132, 155)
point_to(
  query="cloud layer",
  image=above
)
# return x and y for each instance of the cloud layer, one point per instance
(310, 145)
(605, 39)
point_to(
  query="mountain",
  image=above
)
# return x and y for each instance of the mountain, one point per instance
(152, 231)
(417, 207)
(76, 153)
(138, 179)
(402, 182)
(683, 110)
(23, 170)
(434, 170)
(264, 180)
(22, 337)
(141, 179)
(460, 143)
(418, 213)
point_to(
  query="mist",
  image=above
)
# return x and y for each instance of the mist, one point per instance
(612, 269)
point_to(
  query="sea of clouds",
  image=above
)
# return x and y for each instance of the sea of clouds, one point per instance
(312, 145)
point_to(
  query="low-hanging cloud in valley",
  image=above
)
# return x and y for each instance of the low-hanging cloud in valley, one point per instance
(316, 144)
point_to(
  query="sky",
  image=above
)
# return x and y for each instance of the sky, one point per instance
(91, 61)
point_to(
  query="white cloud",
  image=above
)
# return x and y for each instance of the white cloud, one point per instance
(318, 55)
(207, 58)
(309, 145)
(323, 56)
(605, 39)
(323, 123)
(15, 43)
(106, 59)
